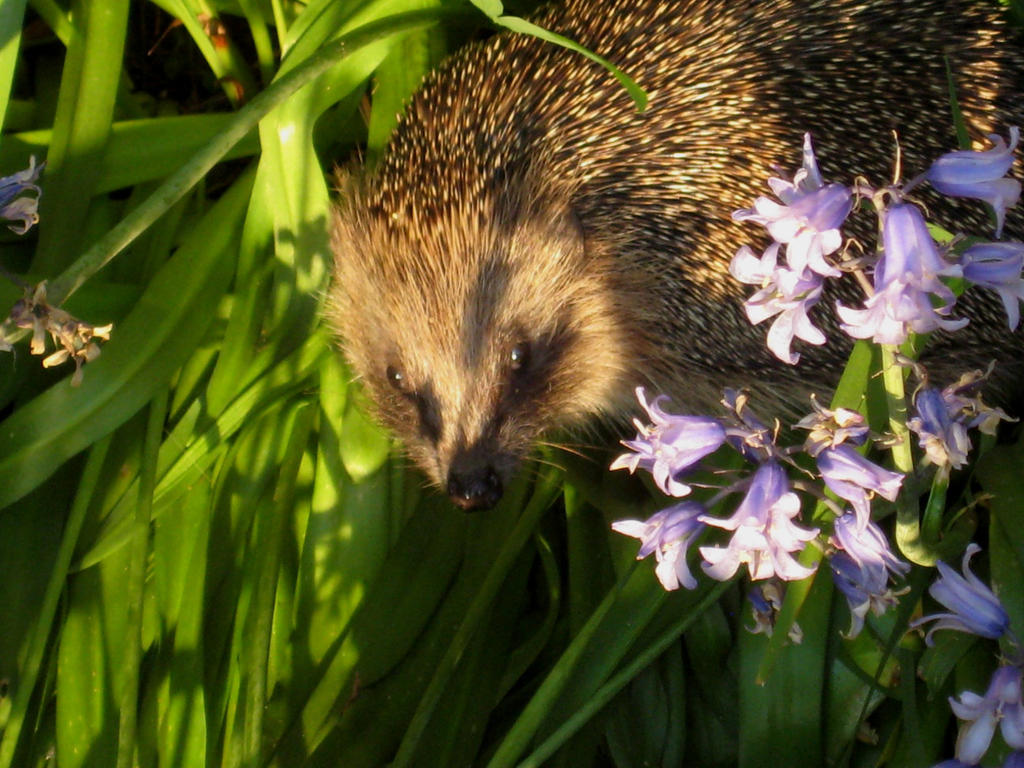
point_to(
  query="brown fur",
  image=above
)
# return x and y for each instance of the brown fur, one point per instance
(524, 200)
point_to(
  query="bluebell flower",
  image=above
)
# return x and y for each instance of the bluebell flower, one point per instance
(973, 607)
(670, 445)
(809, 218)
(1000, 706)
(952, 763)
(861, 569)
(944, 439)
(866, 544)
(1014, 760)
(765, 536)
(13, 206)
(866, 588)
(980, 175)
(668, 534)
(906, 280)
(785, 294)
(850, 476)
(997, 266)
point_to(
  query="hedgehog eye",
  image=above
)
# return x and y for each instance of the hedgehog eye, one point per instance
(396, 378)
(519, 357)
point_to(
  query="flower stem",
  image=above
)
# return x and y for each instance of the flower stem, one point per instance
(896, 402)
(908, 521)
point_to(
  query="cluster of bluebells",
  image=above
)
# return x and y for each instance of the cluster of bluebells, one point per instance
(72, 338)
(764, 532)
(974, 609)
(907, 293)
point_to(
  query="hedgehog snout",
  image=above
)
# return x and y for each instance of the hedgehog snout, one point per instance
(473, 488)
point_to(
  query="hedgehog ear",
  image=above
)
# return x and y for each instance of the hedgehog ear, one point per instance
(349, 186)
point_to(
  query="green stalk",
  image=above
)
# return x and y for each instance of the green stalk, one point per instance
(81, 128)
(11, 15)
(896, 400)
(260, 37)
(37, 641)
(541, 500)
(616, 683)
(908, 520)
(56, 18)
(136, 577)
(271, 532)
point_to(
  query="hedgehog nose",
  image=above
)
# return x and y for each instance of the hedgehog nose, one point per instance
(476, 488)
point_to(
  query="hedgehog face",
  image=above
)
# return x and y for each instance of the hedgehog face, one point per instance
(472, 340)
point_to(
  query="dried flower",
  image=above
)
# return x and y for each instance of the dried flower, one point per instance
(830, 428)
(765, 603)
(75, 340)
(21, 209)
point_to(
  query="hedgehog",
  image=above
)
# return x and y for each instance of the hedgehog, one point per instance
(532, 248)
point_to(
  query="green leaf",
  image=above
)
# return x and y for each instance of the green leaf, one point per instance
(1000, 473)
(364, 445)
(143, 352)
(781, 718)
(11, 14)
(85, 109)
(139, 150)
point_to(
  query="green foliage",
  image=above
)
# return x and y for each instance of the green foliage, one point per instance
(213, 557)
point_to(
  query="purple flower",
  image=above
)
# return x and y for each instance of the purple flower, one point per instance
(784, 292)
(973, 607)
(865, 589)
(979, 175)
(866, 544)
(21, 209)
(944, 439)
(862, 567)
(765, 535)
(1014, 760)
(997, 266)
(670, 445)
(1000, 706)
(668, 534)
(808, 221)
(850, 476)
(906, 279)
